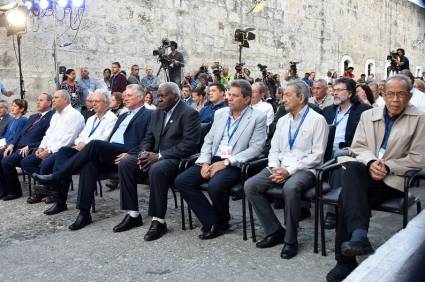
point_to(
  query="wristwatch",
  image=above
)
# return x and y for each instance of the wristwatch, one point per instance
(226, 162)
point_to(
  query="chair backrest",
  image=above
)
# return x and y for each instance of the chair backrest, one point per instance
(329, 146)
(205, 128)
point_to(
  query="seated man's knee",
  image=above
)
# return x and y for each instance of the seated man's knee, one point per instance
(127, 163)
(250, 187)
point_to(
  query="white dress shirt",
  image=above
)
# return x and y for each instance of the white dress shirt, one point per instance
(64, 128)
(266, 108)
(309, 147)
(418, 99)
(97, 129)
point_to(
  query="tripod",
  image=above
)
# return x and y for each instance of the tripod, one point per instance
(164, 67)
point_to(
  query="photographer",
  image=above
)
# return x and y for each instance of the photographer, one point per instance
(175, 69)
(245, 75)
(403, 61)
(188, 80)
(226, 77)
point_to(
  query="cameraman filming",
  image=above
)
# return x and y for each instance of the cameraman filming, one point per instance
(245, 75)
(175, 69)
(403, 61)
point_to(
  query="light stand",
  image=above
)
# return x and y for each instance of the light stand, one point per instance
(21, 76)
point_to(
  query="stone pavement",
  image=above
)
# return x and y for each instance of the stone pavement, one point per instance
(35, 247)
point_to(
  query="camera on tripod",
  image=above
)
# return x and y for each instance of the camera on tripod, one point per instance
(243, 36)
(393, 57)
(217, 69)
(263, 69)
(238, 68)
(161, 52)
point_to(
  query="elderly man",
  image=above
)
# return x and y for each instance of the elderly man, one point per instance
(150, 82)
(297, 148)
(388, 142)
(26, 140)
(98, 127)
(320, 97)
(65, 126)
(5, 118)
(100, 156)
(89, 110)
(259, 91)
(173, 134)
(237, 135)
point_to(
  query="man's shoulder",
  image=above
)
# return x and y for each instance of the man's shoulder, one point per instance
(361, 107)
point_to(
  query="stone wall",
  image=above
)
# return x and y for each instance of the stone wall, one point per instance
(320, 34)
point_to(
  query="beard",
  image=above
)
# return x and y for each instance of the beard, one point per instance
(339, 100)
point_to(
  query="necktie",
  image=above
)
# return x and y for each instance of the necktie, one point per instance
(37, 120)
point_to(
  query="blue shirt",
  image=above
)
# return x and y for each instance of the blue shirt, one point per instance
(151, 82)
(389, 122)
(2, 88)
(341, 127)
(206, 114)
(15, 126)
(118, 136)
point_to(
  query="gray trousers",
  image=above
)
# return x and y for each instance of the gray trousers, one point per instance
(255, 189)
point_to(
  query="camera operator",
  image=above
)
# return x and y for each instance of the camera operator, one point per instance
(226, 77)
(203, 69)
(403, 61)
(246, 75)
(188, 80)
(175, 69)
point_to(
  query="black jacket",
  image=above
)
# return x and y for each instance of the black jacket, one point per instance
(353, 119)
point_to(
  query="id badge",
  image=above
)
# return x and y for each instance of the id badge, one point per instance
(226, 151)
(381, 153)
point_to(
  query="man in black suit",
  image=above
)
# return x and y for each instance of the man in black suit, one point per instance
(5, 118)
(173, 134)
(99, 157)
(28, 139)
(345, 116)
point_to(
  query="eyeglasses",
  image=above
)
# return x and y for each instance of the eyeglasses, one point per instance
(336, 90)
(401, 95)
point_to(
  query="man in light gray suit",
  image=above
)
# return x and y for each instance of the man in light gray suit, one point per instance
(237, 135)
(5, 118)
(297, 147)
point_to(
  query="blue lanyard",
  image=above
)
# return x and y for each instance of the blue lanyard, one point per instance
(93, 128)
(291, 140)
(234, 130)
(336, 121)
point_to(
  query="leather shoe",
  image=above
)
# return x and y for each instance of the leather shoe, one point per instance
(330, 221)
(212, 232)
(34, 199)
(361, 247)
(128, 222)
(112, 185)
(2, 195)
(289, 251)
(156, 231)
(49, 200)
(272, 240)
(10, 197)
(55, 209)
(45, 179)
(81, 221)
(340, 272)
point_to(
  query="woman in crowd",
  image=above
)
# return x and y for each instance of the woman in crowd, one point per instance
(149, 101)
(198, 95)
(107, 78)
(70, 84)
(365, 94)
(18, 110)
(117, 103)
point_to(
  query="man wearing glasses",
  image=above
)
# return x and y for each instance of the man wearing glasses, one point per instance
(388, 142)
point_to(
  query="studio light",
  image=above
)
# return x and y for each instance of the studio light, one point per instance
(78, 3)
(6, 5)
(17, 19)
(28, 4)
(63, 3)
(44, 4)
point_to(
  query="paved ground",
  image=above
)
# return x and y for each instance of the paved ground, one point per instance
(34, 247)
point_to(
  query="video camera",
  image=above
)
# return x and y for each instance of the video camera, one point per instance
(238, 68)
(161, 52)
(217, 69)
(243, 36)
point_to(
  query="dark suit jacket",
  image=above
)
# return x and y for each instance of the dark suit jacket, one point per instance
(4, 123)
(119, 83)
(32, 137)
(180, 137)
(353, 119)
(136, 129)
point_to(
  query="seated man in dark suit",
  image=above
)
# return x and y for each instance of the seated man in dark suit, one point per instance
(173, 134)
(28, 139)
(237, 135)
(100, 156)
(5, 117)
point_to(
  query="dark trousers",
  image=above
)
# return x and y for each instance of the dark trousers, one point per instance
(96, 158)
(188, 182)
(359, 195)
(9, 181)
(161, 177)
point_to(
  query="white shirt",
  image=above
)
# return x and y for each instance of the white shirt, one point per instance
(96, 129)
(380, 102)
(309, 146)
(150, 107)
(266, 108)
(64, 128)
(418, 99)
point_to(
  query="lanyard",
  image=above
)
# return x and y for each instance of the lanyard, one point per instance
(291, 140)
(234, 130)
(93, 128)
(336, 121)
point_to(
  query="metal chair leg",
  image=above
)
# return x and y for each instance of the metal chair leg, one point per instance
(245, 237)
(251, 220)
(322, 228)
(94, 205)
(29, 186)
(175, 197)
(418, 206)
(72, 184)
(316, 226)
(182, 212)
(100, 188)
(189, 212)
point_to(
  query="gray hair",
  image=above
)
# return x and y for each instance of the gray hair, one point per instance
(48, 96)
(321, 81)
(5, 104)
(65, 94)
(104, 93)
(172, 87)
(301, 89)
(263, 87)
(136, 87)
(400, 77)
(244, 86)
(373, 83)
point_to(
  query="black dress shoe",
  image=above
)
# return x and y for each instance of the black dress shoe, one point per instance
(156, 231)
(357, 248)
(81, 221)
(55, 209)
(112, 185)
(272, 240)
(2, 195)
(44, 179)
(330, 221)
(211, 233)
(289, 251)
(10, 197)
(128, 222)
(34, 199)
(340, 272)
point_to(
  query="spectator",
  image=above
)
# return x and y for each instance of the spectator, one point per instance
(226, 77)
(329, 78)
(198, 95)
(88, 85)
(134, 77)
(216, 101)
(18, 110)
(418, 97)
(259, 91)
(370, 78)
(279, 96)
(349, 73)
(73, 88)
(307, 79)
(149, 101)
(365, 94)
(362, 79)
(320, 96)
(107, 78)
(150, 82)
(89, 110)
(403, 62)
(313, 76)
(420, 85)
(330, 90)
(175, 70)
(374, 87)
(187, 95)
(118, 79)
(188, 80)
(4, 91)
(5, 118)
